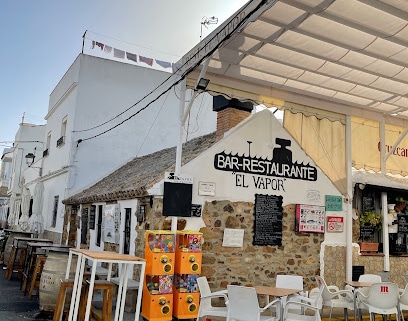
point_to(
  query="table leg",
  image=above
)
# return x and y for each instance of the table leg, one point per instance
(139, 291)
(76, 291)
(91, 289)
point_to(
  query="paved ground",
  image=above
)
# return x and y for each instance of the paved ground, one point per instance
(14, 306)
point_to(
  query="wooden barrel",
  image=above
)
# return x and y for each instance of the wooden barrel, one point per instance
(54, 270)
(9, 243)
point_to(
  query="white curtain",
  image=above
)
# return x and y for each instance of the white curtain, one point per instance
(25, 208)
(36, 221)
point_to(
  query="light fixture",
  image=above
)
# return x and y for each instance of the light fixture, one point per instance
(361, 186)
(30, 157)
(202, 84)
(142, 213)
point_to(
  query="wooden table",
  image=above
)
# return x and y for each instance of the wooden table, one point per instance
(29, 260)
(357, 284)
(276, 292)
(96, 257)
(18, 254)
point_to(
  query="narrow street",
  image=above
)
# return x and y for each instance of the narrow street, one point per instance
(15, 306)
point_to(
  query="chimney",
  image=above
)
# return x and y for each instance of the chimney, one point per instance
(230, 112)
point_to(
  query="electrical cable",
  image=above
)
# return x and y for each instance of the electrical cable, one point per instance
(186, 72)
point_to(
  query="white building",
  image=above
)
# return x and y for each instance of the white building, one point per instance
(5, 174)
(25, 171)
(82, 142)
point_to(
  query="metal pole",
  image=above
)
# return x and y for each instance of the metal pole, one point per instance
(349, 220)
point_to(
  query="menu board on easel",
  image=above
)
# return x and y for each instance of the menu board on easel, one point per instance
(268, 220)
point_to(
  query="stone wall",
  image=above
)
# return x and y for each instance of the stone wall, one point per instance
(249, 265)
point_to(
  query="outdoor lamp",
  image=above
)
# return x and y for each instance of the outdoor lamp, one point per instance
(142, 213)
(202, 84)
(30, 159)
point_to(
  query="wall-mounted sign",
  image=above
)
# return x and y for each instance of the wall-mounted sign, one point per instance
(196, 210)
(335, 223)
(177, 195)
(310, 218)
(334, 203)
(233, 237)
(206, 188)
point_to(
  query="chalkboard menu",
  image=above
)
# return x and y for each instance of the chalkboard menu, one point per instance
(368, 204)
(403, 223)
(366, 233)
(268, 220)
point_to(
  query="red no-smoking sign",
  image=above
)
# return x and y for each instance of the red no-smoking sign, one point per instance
(335, 223)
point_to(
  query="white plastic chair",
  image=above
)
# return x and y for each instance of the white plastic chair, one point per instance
(287, 281)
(381, 298)
(333, 297)
(310, 306)
(206, 308)
(243, 305)
(369, 278)
(403, 300)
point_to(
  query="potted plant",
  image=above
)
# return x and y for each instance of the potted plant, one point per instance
(400, 204)
(370, 222)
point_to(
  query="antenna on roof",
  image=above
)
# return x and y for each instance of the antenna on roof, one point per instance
(207, 21)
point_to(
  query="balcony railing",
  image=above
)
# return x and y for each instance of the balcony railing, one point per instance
(60, 141)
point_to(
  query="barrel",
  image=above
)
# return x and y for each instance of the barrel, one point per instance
(9, 243)
(53, 272)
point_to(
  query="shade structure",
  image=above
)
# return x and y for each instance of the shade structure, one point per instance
(346, 56)
(25, 208)
(36, 221)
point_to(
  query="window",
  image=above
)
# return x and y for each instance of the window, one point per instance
(47, 147)
(61, 140)
(55, 211)
(84, 225)
(126, 243)
(99, 226)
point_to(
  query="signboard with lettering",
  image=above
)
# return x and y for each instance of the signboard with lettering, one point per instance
(335, 223)
(268, 220)
(334, 203)
(402, 223)
(310, 218)
(177, 195)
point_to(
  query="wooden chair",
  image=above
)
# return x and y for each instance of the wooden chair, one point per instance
(108, 288)
(60, 304)
(35, 280)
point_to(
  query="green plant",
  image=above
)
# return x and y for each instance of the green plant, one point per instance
(371, 219)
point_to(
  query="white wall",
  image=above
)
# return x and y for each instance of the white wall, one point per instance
(95, 90)
(261, 129)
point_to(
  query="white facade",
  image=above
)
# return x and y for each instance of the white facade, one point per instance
(94, 91)
(255, 139)
(29, 139)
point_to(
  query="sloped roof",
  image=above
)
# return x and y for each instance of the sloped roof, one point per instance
(135, 177)
(346, 56)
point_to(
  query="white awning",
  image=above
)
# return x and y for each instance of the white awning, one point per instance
(344, 56)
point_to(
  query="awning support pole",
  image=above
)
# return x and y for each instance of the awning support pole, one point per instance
(349, 220)
(384, 211)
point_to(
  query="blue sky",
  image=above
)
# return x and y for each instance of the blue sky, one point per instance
(41, 39)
